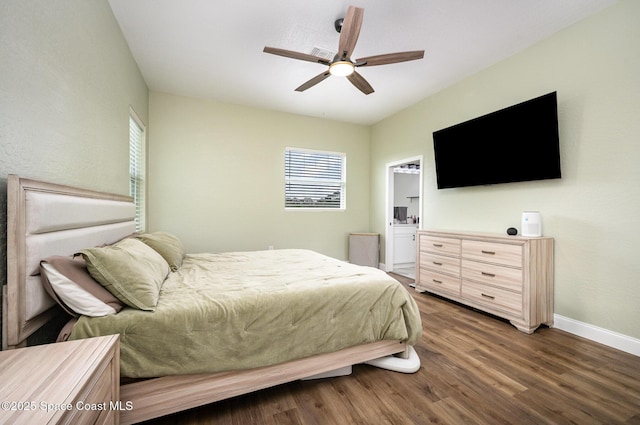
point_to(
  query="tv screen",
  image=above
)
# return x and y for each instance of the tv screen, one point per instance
(515, 144)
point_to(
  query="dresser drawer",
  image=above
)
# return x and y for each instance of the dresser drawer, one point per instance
(440, 263)
(499, 253)
(493, 298)
(504, 277)
(438, 282)
(444, 246)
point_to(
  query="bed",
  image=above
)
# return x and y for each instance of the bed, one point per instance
(328, 314)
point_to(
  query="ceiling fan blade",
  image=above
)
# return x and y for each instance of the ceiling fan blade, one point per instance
(390, 58)
(350, 31)
(360, 83)
(315, 80)
(295, 55)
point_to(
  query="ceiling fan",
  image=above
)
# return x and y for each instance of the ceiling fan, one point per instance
(342, 65)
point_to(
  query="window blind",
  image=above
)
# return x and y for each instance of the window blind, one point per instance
(137, 168)
(314, 179)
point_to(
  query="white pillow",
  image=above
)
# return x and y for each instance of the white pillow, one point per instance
(77, 297)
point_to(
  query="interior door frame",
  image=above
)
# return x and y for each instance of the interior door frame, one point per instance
(388, 235)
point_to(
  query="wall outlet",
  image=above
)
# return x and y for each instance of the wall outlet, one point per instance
(270, 247)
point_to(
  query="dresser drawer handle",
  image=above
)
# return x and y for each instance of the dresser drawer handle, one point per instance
(437, 245)
(488, 252)
(488, 274)
(437, 264)
(491, 297)
(437, 281)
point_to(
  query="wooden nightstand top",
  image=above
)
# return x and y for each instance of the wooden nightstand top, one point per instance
(56, 383)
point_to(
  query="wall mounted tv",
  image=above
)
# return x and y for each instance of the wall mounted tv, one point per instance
(515, 144)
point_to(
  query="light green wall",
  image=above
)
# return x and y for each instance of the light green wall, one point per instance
(216, 177)
(66, 84)
(592, 212)
(67, 79)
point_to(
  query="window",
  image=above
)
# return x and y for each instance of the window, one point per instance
(136, 167)
(314, 179)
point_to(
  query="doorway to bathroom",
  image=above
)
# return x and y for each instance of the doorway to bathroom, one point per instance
(403, 215)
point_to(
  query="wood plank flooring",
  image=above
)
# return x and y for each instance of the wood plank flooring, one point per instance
(476, 369)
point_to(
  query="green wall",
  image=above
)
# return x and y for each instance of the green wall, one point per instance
(66, 84)
(592, 212)
(216, 177)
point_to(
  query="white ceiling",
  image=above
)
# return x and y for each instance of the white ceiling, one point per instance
(212, 49)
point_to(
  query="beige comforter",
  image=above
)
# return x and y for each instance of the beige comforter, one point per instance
(249, 309)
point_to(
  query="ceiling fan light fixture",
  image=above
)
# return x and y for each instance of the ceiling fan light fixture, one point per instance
(341, 65)
(341, 68)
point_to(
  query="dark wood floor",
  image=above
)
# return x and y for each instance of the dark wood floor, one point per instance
(476, 369)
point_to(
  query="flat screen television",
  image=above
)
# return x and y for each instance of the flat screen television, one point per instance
(515, 144)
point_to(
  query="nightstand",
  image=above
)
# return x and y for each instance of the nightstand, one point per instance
(69, 382)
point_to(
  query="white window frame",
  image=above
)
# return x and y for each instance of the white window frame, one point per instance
(137, 168)
(341, 183)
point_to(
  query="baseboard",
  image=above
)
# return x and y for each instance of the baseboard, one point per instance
(609, 338)
(404, 265)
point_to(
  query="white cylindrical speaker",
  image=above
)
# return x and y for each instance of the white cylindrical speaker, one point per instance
(531, 223)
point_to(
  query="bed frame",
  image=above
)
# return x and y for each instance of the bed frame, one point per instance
(46, 219)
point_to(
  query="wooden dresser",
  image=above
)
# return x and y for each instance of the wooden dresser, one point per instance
(75, 382)
(508, 276)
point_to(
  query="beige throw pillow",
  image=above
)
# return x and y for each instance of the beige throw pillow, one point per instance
(167, 245)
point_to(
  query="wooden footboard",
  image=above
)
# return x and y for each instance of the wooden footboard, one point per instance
(161, 396)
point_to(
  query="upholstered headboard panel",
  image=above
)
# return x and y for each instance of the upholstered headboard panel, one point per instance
(45, 219)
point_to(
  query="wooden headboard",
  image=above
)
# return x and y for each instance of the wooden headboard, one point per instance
(45, 219)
